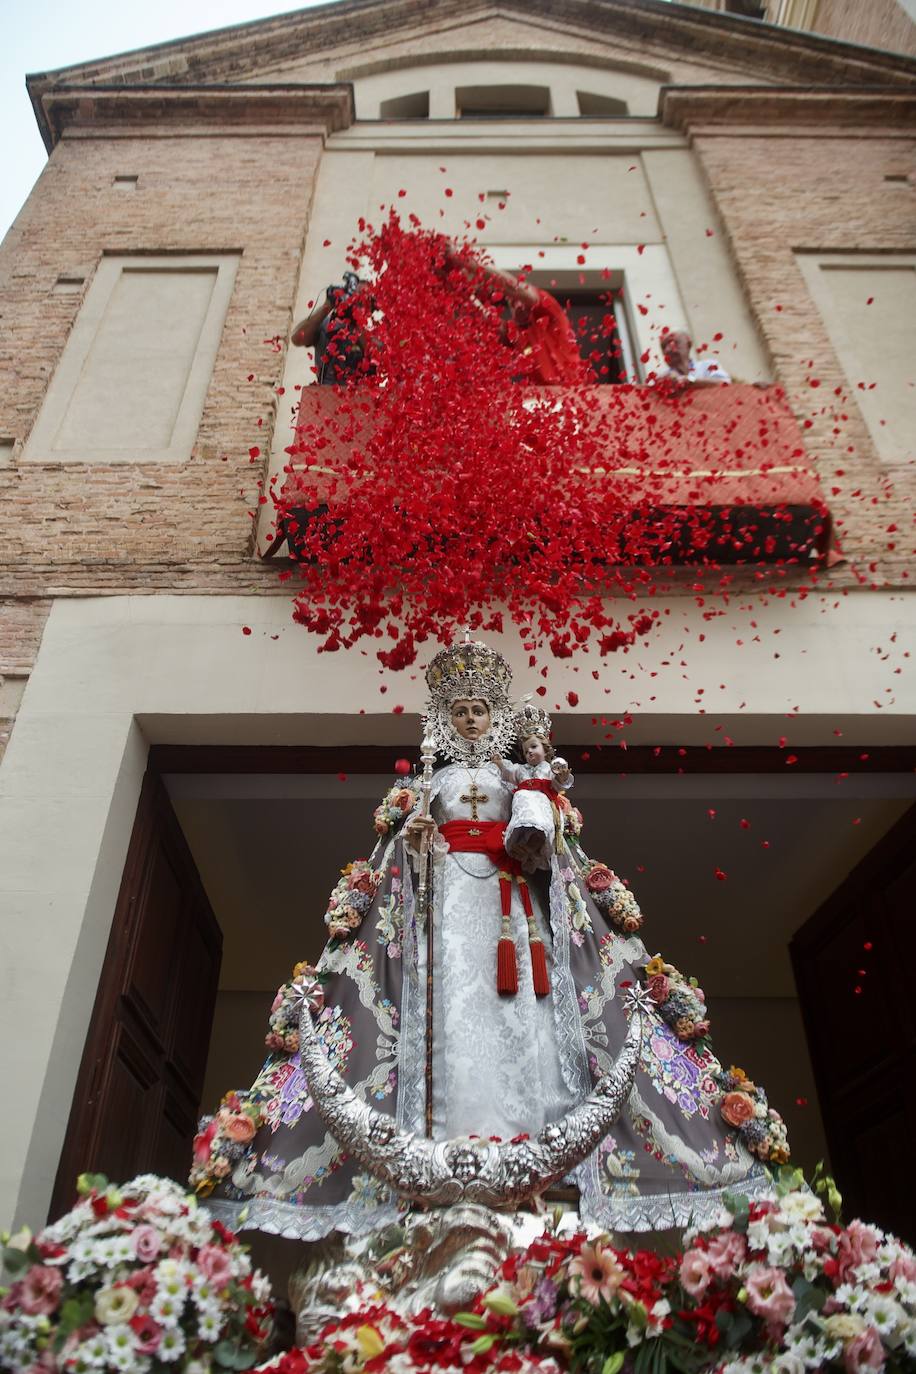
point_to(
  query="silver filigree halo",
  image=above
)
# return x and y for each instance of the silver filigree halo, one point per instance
(473, 671)
(443, 1172)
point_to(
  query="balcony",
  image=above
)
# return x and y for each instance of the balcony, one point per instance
(710, 475)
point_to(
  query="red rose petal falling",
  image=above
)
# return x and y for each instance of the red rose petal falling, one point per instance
(436, 485)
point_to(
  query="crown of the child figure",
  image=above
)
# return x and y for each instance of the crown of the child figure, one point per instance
(532, 720)
(469, 669)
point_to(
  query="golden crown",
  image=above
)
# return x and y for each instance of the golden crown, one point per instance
(472, 670)
(532, 720)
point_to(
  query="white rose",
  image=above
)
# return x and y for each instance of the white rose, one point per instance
(801, 1207)
(842, 1326)
(114, 1305)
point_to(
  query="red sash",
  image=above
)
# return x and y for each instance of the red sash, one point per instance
(544, 785)
(488, 837)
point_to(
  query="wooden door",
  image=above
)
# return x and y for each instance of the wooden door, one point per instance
(137, 1095)
(854, 963)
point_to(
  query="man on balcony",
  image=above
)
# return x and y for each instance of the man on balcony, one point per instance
(682, 367)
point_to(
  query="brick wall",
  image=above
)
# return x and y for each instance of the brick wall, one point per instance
(778, 193)
(184, 527)
(877, 23)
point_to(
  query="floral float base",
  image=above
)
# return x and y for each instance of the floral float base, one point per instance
(775, 1287)
(138, 1278)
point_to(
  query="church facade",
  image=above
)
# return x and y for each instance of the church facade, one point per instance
(184, 773)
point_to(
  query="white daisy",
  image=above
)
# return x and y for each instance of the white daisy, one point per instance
(171, 1347)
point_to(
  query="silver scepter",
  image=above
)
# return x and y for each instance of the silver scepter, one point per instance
(427, 756)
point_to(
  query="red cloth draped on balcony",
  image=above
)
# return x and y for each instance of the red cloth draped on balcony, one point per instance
(486, 837)
(715, 474)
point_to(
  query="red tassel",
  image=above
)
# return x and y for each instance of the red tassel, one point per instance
(539, 968)
(506, 968)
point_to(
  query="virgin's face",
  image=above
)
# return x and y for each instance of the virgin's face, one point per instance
(471, 719)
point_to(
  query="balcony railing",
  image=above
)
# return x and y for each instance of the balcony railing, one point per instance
(709, 474)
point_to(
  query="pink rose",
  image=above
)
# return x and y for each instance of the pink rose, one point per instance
(864, 1351)
(240, 1129)
(203, 1142)
(737, 1108)
(725, 1252)
(599, 878)
(364, 883)
(631, 923)
(659, 988)
(404, 800)
(858, 1244)
(40, 1292)
(695, 1273)
(147, 1243)
(216, 1264)
(903, 1267)
(147, 1333)
(277, 1003)
(768, 1295)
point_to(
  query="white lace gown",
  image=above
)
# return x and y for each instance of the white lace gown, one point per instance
(496, 1066)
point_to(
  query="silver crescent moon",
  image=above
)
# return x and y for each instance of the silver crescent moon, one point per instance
(493, 1174)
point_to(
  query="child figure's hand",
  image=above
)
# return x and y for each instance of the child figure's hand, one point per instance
(496, 758)
(560, 768)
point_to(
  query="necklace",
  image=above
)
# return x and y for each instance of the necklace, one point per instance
(473, 796)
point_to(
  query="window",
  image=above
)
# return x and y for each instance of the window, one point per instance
(600, 326)
(594, 106)
(502, 102)
(131, 383)
(415, 106)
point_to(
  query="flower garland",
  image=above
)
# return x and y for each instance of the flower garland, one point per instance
(744, 1106)
(351, 899)
(571, 817)
(394, 806)
(138, 1278)
(773, 1287)
(224, 1141)
(679, 1001)
(286, 1010)
(612, 896)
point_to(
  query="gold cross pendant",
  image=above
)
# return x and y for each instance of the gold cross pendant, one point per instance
(473, 796)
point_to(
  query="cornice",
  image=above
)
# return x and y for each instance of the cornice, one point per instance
(64, 109)
(233, 54)
(685, 107)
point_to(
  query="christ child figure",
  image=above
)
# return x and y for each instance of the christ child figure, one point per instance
(533, 829)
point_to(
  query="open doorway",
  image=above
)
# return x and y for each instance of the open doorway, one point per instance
(728, 866)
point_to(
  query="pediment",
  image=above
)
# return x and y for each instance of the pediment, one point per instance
(663, 42)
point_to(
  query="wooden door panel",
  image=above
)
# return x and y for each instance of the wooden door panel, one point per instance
(150, 972)
(863, 1043)
(128, 1104)
(195, 994)
(135, 1105)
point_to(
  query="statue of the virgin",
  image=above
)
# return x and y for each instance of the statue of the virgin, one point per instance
(493, 1020)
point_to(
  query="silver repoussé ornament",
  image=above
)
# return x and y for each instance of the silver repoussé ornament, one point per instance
(470, 1170)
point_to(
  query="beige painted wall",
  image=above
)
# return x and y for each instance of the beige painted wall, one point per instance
(114, 674)
(630, 190)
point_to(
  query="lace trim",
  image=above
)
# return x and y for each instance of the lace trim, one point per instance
(411, 1055)
(571, 1044)
(300, 1222)
(661, 1211)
